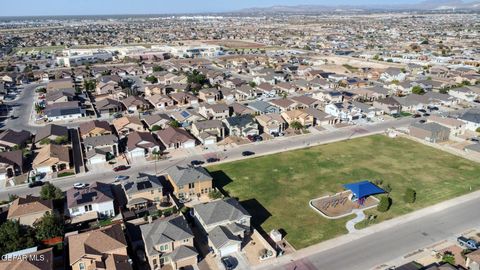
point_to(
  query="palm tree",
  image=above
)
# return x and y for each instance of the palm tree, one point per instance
(296, 125)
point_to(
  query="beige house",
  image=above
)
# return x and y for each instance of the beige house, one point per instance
(190, 181)
(52, 158)
(300, 116)
(104, 248)
(169, 242)
(272, 123)
(29, 209)
(95, 128)
(143, 192)
(125, 125)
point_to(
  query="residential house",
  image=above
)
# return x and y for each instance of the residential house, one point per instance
(100, 149)
(183, 98)
(143, 191)
(90, 203)
(344, 111)
(28, 210)
(262, 107)
(388, 105)
(431, 132)
(304, 102)
(106, 107)
(209, 95)
(157, 120)
(169, 242)
(320, 118)
(241, 126)
(95, 128)
(226, 223)
(457, 127)
(214, 111)
(61, 95)
(104, 248)
(208, 132)
(190, 182)
(11, 139)
(135, 104)
(413, 102)
(160, 102)
(51, 133)
(127, 124)
(299, 116)
(471, 119)
(141, 144)
(51, 159)
(469, 94)
(272, 123)
(61, 111)
(328, 96)
(393, 74)
(11, 164)
(174, 138)
(240, 109)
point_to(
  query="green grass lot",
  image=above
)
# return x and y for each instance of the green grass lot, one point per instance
(276, 189)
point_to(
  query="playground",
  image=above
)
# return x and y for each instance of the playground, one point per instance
(340, 205)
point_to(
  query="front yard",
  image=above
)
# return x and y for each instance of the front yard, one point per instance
(276, 189)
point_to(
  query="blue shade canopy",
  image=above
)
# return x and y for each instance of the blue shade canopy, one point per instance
(363, 189)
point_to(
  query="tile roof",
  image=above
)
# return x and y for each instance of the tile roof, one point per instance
(28, 205)
(185, 175)
(227, 210)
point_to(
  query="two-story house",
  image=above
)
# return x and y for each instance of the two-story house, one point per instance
(190, 182)
(143, 191)
(169, 242)
(90, 203)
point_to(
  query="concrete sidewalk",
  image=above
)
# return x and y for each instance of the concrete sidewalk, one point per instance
(345, 239)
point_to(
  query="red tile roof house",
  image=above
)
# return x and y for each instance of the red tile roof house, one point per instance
(140, 145)
(174, 138)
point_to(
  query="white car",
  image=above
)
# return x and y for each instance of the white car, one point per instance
(79, 185)
(120, 178)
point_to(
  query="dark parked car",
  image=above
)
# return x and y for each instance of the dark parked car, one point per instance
(247, 153)
(212, 160)
(120, 168)
(422, 111)
(36, 184)
(416, 116)
(228, 262)
(197, 162)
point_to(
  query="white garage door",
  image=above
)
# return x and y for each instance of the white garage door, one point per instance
(189, 144)
(97, 160)
(227, 250)
(210, 141)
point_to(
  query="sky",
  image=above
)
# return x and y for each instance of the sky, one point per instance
(104, 7)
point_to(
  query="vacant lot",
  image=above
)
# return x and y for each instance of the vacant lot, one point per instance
(276, 189)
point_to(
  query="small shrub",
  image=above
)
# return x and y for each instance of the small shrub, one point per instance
(387, 188)
(384, 204)
(410, 195)
(448, 257)
(215, 194)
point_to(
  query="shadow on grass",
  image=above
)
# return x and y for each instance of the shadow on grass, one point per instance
(220, 180)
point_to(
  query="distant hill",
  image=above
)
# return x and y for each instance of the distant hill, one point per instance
(425, 5)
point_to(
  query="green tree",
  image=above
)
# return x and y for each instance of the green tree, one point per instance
(49, 226)
(478, 130)
(252, 84)
(151, 79)
(61, 140)
(296, 125)
(215, 194)
(50, 192)
(14, 236)
(449, 258)
(196, 77)
(384, 204)
(45, 141)
(90, 85)
(157, 69)
(156, 128)
(410, 195)
(418, 90)
(174, 123)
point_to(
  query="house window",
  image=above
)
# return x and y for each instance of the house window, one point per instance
(74, 209)
(88, 208)
(185, 240)
(81, 266)
(191, 185)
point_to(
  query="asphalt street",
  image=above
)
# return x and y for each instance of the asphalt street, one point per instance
(262, 148)
(391, 243)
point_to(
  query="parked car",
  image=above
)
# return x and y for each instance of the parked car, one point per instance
(79, 185)
(422, 111)
(468, 243)
(121, 178)
(426, 114)
(247, 153)
(475, 139)
(257, 138)
(416, 115)
(212, 160)
(197, 162)
(36, 184)
(228, 262)
(120, 168)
